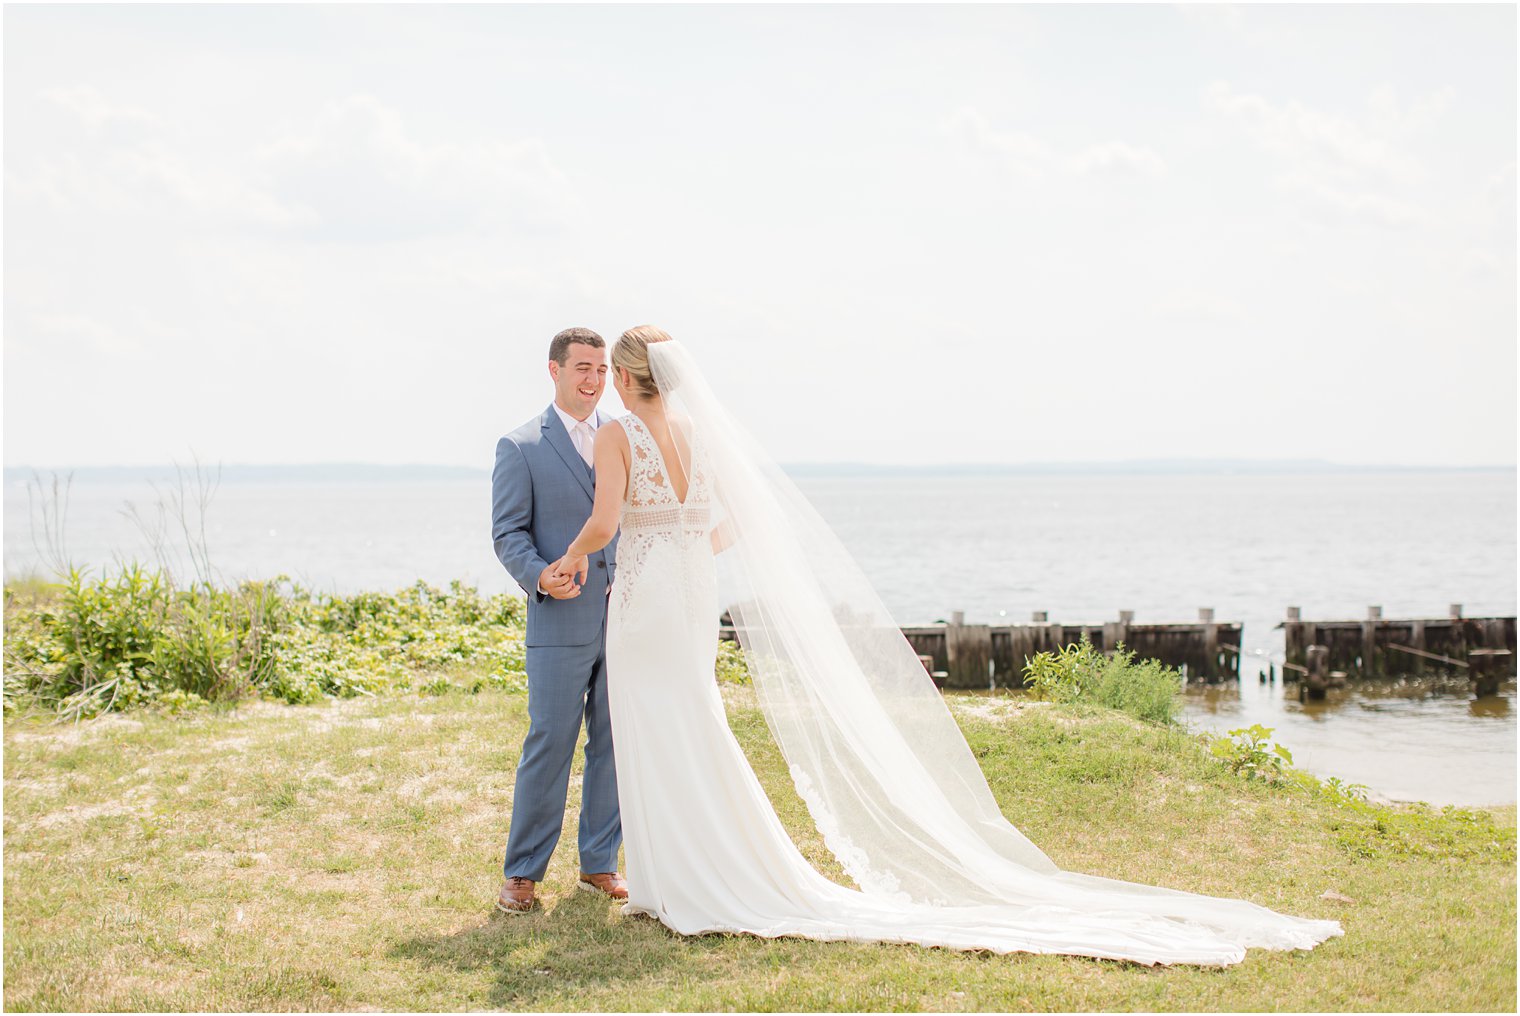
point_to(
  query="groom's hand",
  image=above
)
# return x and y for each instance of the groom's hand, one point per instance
(561, 587)
(573, 568)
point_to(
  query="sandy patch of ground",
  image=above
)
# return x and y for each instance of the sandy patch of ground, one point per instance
(84, 731)
(87, 812)
(994, 708)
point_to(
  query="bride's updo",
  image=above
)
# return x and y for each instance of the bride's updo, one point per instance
(631, 353)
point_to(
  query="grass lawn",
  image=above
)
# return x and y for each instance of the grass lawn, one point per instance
(346, 856)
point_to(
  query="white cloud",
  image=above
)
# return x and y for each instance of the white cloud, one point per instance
(149, 178)
(1302, 136)
(351, 173)
(85, 334)
(1499, 188)
(1334, 204)
(1034, 159)
(1479, 264)
(1398, 120)
(130, 161)
(357, 173)
(1116, 156)
(1022, 153)
(1197, 306)
(97, 112)
(1337, 170)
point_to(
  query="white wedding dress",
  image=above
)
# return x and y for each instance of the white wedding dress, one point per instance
(937, 864)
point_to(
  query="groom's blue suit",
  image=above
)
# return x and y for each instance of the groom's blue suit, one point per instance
(541, 495)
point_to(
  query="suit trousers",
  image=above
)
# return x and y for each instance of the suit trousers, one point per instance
(566, 686)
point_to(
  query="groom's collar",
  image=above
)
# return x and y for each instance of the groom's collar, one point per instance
(559, 440)
(570, 422)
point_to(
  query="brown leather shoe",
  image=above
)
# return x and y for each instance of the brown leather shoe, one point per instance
(610, 882)
(516, 896)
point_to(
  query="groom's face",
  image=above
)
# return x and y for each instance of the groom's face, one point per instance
(578, 382)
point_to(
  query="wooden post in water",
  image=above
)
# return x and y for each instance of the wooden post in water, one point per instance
(1293, 642)
(1210, 644)
(1371, 657)
(1313, 684)
(1115, 632)
(968, 651)
(1486, 668)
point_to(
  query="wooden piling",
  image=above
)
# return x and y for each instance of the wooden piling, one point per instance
(1486, 669)
(1380, 647)
(1210, 640)
(1370, 658)
(1316, 678)
(968, 652)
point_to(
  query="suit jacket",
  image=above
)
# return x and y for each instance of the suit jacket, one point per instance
(541, 496)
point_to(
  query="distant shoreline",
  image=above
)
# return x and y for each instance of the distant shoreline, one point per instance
(357, 472)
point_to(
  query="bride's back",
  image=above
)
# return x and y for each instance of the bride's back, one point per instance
(670, 436)
(661, 467)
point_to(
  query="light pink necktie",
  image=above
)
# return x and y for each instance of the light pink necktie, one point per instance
(584, 438)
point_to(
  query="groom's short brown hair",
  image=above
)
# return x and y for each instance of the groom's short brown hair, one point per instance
(559, 346)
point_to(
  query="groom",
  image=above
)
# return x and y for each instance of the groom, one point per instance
(541, 494)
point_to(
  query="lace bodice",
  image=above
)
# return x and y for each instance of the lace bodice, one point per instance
(651, 502)
(654, 519)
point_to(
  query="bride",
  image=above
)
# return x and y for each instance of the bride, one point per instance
(871, 745)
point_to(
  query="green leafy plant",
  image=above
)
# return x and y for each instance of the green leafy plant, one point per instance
(730, 667)
(93, 645)
(1249, 751)
(1148, 690)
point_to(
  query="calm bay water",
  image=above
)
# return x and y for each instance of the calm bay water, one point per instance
(1081, 546)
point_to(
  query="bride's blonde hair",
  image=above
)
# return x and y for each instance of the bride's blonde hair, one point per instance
(631, 352)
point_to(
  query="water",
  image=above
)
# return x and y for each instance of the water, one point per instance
(1081, 547)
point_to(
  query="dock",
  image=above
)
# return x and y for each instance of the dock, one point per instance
(1326, 654)
(993, 656)
(1319, 654)
(982, 656)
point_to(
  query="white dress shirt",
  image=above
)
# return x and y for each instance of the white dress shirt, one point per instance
(577, 431)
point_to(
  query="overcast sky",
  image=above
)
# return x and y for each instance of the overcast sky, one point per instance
(893, 235)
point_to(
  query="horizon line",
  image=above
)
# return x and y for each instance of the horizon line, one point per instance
(846, 466)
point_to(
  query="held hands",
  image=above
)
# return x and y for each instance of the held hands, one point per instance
(571, 570)
(559, 586)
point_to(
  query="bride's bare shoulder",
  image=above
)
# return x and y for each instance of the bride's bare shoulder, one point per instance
(608, 434)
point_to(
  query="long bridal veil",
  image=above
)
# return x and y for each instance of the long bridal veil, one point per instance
(872, 747)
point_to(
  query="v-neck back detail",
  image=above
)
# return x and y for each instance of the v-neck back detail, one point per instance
(649, 473)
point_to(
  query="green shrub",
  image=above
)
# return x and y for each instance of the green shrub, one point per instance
(1253, 755)
(86, 646)
(730, 667)
(1148, 690)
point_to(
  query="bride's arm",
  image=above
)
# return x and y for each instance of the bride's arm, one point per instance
(609, 455)
(722, 536)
